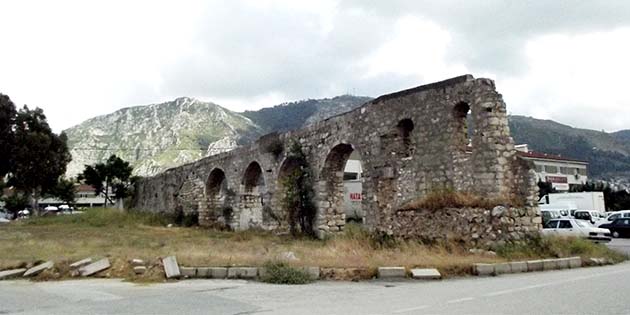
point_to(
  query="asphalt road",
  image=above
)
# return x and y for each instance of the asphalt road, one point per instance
(621, 245)
(597, 290)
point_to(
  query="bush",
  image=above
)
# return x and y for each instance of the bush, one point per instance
(281, 273)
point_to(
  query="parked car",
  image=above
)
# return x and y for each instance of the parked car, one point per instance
(619, 227)
(548, 215)
(593, 216)
(578, 228)
(617, 215)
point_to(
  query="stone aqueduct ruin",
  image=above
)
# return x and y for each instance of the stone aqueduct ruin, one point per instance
(411, 143)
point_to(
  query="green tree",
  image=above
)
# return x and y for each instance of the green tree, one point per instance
(38, 157)
(545, 188)
(64, 190)
(7, 122)
(298, 193)
(114, 175)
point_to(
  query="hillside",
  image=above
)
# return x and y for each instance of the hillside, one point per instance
(158, 136)
(607, 153)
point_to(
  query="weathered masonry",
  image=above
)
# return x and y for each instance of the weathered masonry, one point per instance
(411, 143)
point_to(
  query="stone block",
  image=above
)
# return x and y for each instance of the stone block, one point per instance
(313, 272)
(535, 265)
(94, 267)
(426, 274)
(81, 263)
(392, 272)
(139, 270)
(550, 264)
(203, 272)
(242, 272)
(562, 263)
(171, 268)
(39, 268)
(483, 269)
(575, 262)
(502, 268)
(217, 272)
(518, 266)
(188, 272)
(137, 262)
(7, 274)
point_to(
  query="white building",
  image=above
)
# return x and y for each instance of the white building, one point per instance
(561, 172)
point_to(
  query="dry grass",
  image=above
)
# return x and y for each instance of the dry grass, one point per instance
(448, 198)
(121, 237)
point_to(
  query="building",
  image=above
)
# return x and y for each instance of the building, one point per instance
(560, 171)
(85, 196)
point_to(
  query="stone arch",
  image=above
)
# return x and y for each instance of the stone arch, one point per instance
(405, 127)
(217, 195)
(332, 210)
(252, 191)
(462, 131)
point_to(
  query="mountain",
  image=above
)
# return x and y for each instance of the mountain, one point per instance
(159, 136)
(608, 154)
(289, 116)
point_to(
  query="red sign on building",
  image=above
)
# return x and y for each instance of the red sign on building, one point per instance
(355, 196)
(557, 179)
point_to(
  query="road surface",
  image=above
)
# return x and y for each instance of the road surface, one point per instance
(597, 290)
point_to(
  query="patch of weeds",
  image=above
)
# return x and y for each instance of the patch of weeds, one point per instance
(281, 273)
(548, 246)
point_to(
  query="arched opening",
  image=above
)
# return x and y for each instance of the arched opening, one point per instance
(464, 128)
(253, 184)
(295, 196)
(342, 198)
(217, 195)
(405, 127)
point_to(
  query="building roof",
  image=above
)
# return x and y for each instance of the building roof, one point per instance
(546, 156)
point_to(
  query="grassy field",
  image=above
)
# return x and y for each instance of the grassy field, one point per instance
(124, 236)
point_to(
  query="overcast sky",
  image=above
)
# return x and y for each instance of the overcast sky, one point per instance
(563, 60)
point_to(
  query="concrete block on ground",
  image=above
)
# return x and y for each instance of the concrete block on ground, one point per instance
(535, 265)
(262, 272)
(562, 263)
(188, 272)
(313, 272)
(425, 274)
(575, 262)
(81, 263)
(39, 268)
(483, 269)
(392, 272)
(94, 267)
(7, 274)
(203, 272)
(518, 266)
(139, 270)
(171, 268)
(502, 268)
(242, 272)
(136, 262)
(218, 272)
(550, 264)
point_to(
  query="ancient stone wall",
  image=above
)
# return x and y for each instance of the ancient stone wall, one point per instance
(411, 143)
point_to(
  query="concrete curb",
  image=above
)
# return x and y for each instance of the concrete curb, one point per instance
(529, 266)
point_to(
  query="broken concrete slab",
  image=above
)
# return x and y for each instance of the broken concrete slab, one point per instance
(392, 272)
(425, 274)
(136, 262)
(94, 267)
(575, 262)
(218, 272)
(7, 274)
(518, 266)
(502, 268)
(139, 270)
(242, 272)
(483, 269)
(38, 269)
(81, 263)
(534, 265)
(188, 272)
(171, 269)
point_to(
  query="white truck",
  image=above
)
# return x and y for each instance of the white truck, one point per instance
(574, 201)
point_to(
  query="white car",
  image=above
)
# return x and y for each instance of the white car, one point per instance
(578, 228)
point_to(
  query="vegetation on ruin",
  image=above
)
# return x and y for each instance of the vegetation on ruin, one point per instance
(449, 198)
(122, 236)
(298, 193)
